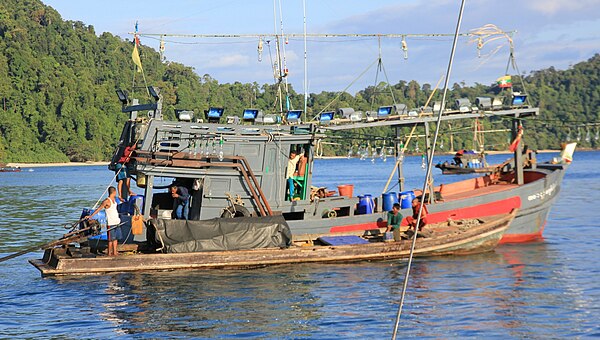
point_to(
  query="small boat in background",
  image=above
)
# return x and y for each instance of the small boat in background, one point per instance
(467, 162)
(6, 168)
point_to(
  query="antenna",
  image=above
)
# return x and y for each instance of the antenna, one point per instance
(305, 60)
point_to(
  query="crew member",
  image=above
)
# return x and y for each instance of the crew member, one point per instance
(291, 171)
(412, 220)
(394, 217)
(112, 219)
(458, 157)
(181, 198)
(123, 179)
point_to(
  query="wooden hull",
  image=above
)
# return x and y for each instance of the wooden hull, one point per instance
(10, 169)
(476, 239)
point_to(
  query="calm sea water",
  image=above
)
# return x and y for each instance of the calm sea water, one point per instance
(547, 289)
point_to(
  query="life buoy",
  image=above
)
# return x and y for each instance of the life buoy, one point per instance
(235, 211)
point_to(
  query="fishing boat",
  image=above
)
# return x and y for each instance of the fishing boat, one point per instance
(466, 162)
(453, 237)
(470, 161)
(246, 171)
(6, 168)
(237, 170)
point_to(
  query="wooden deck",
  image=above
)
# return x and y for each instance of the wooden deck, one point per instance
(446, 239)
(490, 189)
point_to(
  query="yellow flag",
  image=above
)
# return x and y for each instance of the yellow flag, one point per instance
(135, 55)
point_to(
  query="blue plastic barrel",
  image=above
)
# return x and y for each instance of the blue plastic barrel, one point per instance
(388, 200)
(406, 198)
(365, 204)
(127, 207)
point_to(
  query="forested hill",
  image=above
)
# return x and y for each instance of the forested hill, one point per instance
(58, 81)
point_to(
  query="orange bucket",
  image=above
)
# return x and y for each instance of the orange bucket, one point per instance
(346, 190)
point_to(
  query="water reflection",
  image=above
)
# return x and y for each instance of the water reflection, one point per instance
(255, 303)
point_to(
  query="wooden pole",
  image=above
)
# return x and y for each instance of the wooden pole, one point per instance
(148, 196)
(518, 153)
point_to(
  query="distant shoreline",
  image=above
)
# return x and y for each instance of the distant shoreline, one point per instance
(452, 153)
(43, 165)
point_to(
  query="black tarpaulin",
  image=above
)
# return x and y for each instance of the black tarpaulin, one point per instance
(181, 236)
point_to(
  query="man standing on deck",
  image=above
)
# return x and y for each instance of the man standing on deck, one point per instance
(181, 198)
(112, 219)
(291, 170)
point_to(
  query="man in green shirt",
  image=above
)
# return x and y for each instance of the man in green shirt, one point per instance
(394, 218)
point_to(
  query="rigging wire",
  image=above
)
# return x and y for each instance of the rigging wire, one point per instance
(305, 59)
(344, 90)
(405, 146)
(428, 171)
(283, 67)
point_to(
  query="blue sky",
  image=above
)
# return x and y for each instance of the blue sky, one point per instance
(555, 33)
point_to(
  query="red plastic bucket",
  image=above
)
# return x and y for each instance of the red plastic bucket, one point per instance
(346, 190)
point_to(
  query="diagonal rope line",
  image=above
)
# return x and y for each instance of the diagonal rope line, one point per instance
(429, 166)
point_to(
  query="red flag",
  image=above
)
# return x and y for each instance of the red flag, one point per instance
(513, 146)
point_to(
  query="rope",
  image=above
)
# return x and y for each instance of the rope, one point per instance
(429, 166)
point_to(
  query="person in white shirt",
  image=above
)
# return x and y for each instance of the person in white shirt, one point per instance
(112, 218)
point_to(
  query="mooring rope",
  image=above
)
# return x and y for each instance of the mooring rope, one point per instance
(429, 166)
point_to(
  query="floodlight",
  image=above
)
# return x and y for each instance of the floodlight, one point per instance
(384, 111)
(326, 117)
(463, 105)
(426, 109)
(345, 112)
(293, 116)
(250, 115)
(184, 115)
(356, 116)
(497, 103)
(122, 96)
(483, 103)
(233, 120)
(371, 115)
(269, 119)
(213, 114)
(518, 99)
(400, 109)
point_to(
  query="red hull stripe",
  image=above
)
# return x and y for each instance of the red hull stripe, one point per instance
(488, 209)
(521, 238)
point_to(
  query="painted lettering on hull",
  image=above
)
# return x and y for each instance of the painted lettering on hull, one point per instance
(543, 194)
